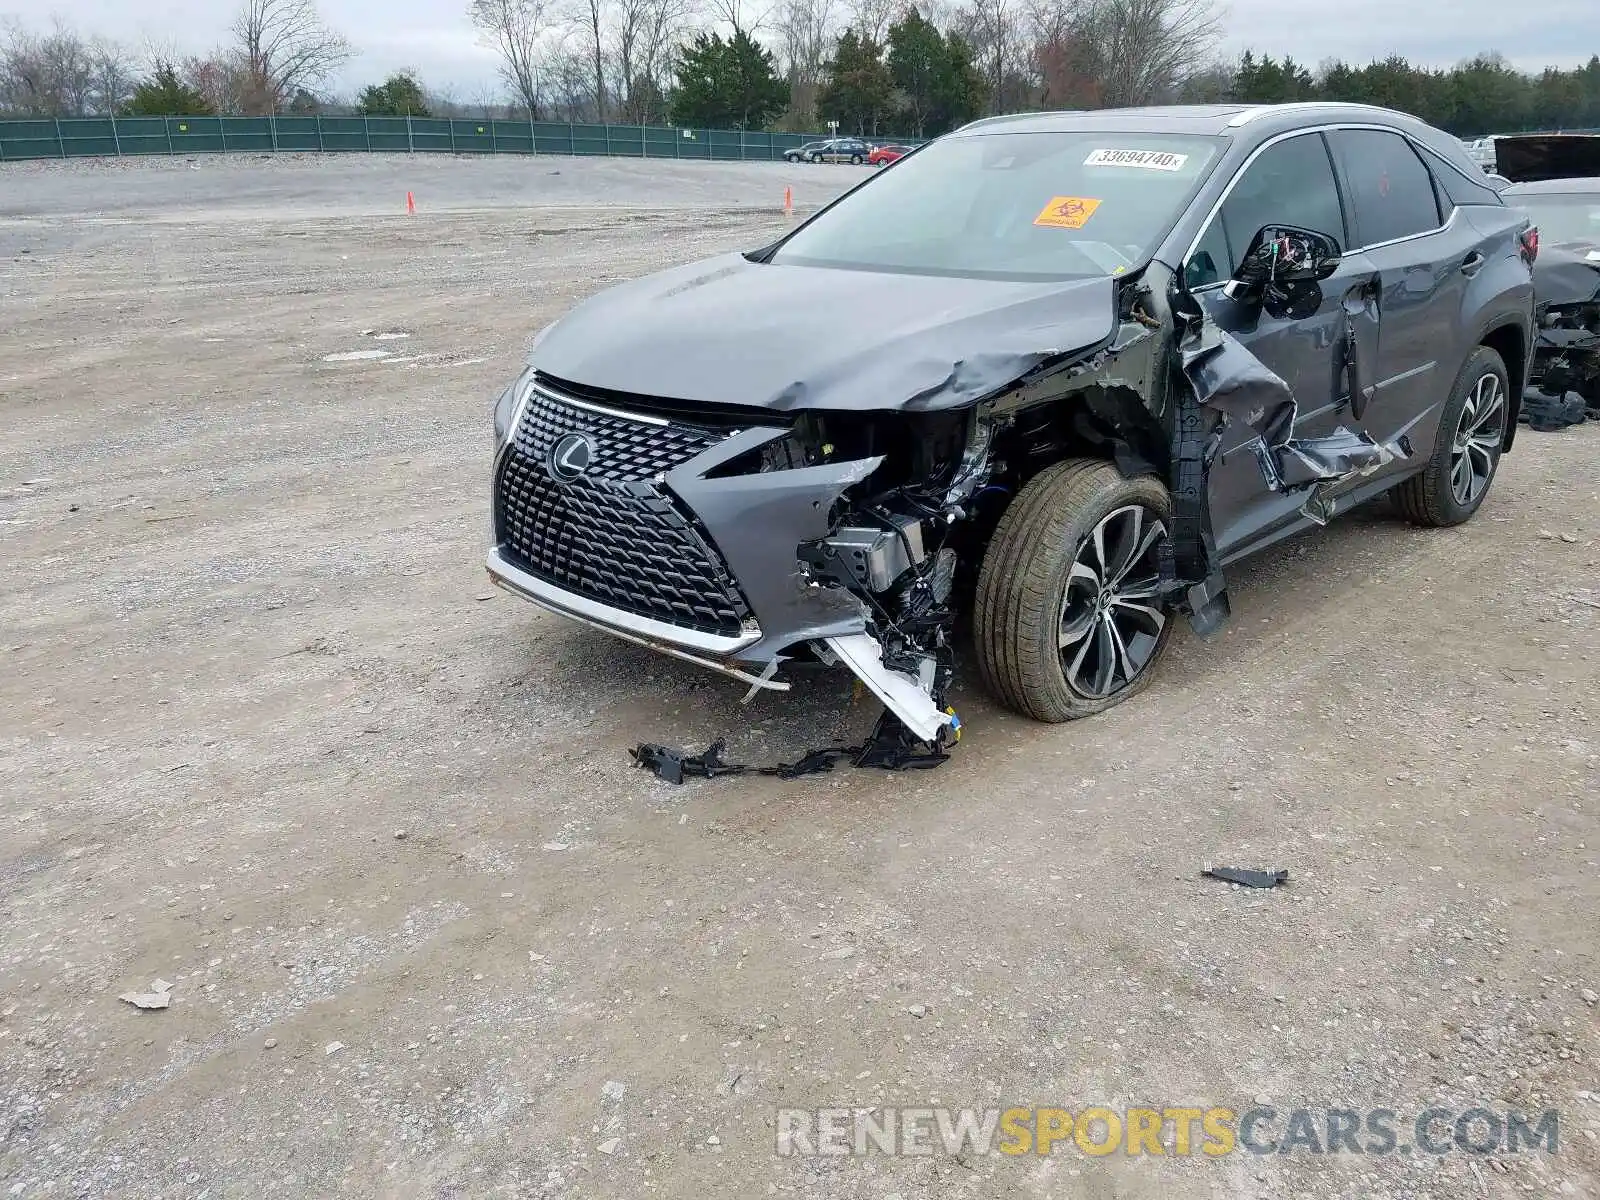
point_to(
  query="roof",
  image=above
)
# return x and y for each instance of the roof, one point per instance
(1183, 118)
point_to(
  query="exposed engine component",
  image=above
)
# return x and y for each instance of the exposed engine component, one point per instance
(870, 557)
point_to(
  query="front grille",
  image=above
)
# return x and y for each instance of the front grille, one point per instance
(611, 535)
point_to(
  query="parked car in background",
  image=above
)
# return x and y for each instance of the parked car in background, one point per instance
(805, 153)
(1556, 180)
(1057, 372)
(851, 150)
(882, 156)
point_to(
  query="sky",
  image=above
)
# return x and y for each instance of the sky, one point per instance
(433, 36)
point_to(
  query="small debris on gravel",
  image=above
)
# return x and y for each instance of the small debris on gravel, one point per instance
(1246, 877)
(159, 996)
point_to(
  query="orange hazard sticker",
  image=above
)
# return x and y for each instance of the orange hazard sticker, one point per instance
(1067, 212)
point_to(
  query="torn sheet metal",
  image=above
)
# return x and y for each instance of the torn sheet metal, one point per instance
(902, 695)
(1236, 383)
(788, 338)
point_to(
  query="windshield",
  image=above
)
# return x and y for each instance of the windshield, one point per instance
(1563, 217)
(1016, 206)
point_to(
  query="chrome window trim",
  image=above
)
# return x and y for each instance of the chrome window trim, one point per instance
(1293, 133)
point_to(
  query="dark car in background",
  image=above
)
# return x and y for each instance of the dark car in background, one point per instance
(1049, 378)
(850, 150)
(806, 152)
(1557, 182)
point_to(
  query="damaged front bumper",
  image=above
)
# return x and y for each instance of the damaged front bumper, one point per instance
(684, 535)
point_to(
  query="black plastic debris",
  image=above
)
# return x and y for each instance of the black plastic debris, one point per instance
(673, 766)
(893, 747)
(814, 762)
(1546, 413)
(890, 747)
(1248, 878)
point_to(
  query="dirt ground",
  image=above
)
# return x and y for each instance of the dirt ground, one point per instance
(270, 736)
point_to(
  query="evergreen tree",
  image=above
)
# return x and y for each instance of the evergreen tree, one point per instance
(730, 84)
(859, 91)
(163, 94)
(939, 85)
(398, 96)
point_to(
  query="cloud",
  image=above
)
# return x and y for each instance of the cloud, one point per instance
(435, 38)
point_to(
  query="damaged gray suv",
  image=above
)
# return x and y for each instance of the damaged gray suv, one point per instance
(1050, 376)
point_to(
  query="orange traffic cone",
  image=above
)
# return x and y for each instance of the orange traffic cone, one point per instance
(411, 204)
(788, 202)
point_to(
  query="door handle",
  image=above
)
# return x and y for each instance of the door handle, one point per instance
(1472, 264)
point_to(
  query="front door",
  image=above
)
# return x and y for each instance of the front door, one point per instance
(1291, 182)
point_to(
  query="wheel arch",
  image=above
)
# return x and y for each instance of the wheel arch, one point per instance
(1509, 340)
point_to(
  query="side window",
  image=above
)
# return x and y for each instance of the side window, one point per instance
(1391, 191)
(1290, 183)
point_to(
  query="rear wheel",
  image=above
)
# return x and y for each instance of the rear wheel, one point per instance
(855, 160)
(1069, 618)
(1466, 452)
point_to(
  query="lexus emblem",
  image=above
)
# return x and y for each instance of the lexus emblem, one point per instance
(571, 456)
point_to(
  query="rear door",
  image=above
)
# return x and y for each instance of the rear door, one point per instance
(1289, 182)
(1426, 256)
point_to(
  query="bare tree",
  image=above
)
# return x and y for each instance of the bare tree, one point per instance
(994, 30)
(44, 75)
(1123, 52)
(113, 75)
(221, 77)
(645, 34)
(285, 48)
(512, 29)
(565, 84)
(872, 18)
(588, 17)
(805, 31)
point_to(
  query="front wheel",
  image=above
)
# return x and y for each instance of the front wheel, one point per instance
(1069, 617)
(1466, 452)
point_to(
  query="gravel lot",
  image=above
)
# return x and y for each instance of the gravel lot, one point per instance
(271, 737)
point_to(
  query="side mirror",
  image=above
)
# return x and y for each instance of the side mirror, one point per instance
(1282, 257)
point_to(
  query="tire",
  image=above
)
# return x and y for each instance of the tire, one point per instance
(855, 160)
(1043, 544)
(1469, 426)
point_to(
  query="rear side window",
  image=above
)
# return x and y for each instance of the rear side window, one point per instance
(1290, 183)
(1391, 191)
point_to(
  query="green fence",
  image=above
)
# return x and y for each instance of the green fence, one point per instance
(34, 139)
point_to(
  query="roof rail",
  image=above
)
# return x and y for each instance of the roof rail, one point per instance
(1263, 110)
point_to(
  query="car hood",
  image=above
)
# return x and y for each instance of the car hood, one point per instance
(1567, 273)
(782, 337)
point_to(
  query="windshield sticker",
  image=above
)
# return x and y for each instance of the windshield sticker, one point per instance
(1150, 160)
(1067, 212)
